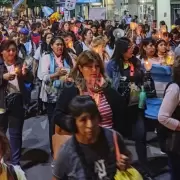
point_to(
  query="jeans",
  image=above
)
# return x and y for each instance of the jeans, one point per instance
(14, 119)
(174, 163)
(50, 110)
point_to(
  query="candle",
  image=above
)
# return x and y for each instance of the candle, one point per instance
(170, 60)
(133, 26)
(16, 70)
(147, 65)
(70, 44)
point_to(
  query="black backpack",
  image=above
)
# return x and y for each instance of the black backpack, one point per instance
(169, 140)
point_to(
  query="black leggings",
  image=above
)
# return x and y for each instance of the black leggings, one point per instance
(134, 127)
(50, 110)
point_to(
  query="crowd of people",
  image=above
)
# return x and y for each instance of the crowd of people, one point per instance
(88, 79)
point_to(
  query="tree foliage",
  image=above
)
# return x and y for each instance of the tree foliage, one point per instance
(5, 2)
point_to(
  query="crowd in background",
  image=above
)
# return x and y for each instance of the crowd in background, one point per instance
(87, 76)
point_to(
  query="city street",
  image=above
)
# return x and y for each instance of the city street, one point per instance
(35, 156)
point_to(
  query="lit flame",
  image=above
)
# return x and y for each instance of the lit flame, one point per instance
(70, 44)
(133, 26)
(147, 65)
(16, 70)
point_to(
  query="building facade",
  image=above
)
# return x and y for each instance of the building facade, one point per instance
(167, 10)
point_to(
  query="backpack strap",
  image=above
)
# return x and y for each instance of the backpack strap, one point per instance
(11, 172)
(66, 65)
(52, 64)
(168, 86)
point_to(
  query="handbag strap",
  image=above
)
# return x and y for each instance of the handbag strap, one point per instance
(117, 150)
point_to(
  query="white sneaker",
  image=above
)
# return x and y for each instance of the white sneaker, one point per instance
(155, 131)
(163, 153)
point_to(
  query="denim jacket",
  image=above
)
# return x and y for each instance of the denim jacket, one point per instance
(114, 74)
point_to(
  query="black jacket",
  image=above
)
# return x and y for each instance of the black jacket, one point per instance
(115, 101)
(21, 81)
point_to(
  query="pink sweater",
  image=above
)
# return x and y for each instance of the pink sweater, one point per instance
(169, 104)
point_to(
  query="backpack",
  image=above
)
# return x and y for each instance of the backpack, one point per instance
(78, 47)
(169, 140)
(11, 172)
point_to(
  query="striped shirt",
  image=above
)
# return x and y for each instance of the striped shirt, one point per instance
(106, 112)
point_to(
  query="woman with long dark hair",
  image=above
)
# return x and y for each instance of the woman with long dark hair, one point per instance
(127, 78)
(55, 65)
(147, 51)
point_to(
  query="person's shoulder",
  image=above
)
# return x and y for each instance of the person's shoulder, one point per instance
(67, 149)
(111, 63)
(177, 49)
(110, 133)
(173, 87)
(67, 146)
(46, 56)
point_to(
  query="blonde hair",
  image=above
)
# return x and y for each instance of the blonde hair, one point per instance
(99, 40)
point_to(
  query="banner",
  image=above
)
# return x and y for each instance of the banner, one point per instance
(97, 13)
(70, 4)
(22, 7)
(17, 4)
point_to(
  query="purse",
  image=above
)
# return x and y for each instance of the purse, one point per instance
(129, 174)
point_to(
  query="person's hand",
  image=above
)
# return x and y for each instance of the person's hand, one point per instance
(24, 69)
(9, 76)
(61, 72)
(123, 163)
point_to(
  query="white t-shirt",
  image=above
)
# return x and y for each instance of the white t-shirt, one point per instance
(85, 47)
(12, 85)
(38, 56)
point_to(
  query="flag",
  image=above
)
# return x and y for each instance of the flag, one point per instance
(47, 11)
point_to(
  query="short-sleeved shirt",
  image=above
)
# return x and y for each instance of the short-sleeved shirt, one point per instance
(99, 157)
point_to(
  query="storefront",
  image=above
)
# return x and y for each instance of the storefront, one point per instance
(82, 7)
(175, 10)
(144, 9)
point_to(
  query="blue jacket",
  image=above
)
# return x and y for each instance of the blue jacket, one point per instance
(114, 74)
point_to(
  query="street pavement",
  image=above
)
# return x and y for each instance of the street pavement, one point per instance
(36, 159)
